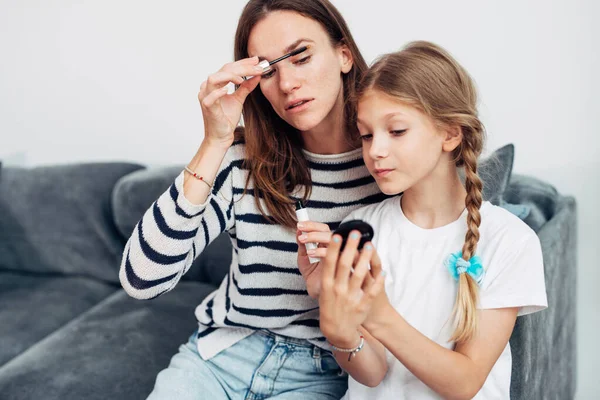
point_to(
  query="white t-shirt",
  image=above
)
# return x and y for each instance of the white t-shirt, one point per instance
(421, 289)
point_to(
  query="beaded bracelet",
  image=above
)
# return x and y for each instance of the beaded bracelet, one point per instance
(195, 175)
(351, 351)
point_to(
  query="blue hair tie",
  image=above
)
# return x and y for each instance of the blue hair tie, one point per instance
(458, 265)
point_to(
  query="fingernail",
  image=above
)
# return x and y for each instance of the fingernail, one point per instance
(311, 252)
(336, 239)
(302, 237)
(354, 236)
(383, 273)
(300, 225)
(368, 247)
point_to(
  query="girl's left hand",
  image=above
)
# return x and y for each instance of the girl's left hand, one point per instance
(347, 296)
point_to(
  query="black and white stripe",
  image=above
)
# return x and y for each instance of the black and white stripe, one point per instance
(264, 289)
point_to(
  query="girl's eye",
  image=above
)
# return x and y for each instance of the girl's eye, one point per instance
(398, 132)
(366, 138)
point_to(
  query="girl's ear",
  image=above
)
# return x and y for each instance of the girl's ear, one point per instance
(453, 138)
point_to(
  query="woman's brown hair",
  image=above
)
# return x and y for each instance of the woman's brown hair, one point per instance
(273, 148)
(427, 77)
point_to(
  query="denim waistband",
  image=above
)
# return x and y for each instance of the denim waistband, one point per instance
(293, 341)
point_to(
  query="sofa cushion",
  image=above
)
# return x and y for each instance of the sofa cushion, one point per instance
(59, 219)
(114, 351)
(495, 171)
(135, 193)
(32, 307)
(541, 198)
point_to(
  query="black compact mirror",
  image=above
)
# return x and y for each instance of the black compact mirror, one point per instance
(366, 232)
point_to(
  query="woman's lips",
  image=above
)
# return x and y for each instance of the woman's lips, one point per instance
(305, 103)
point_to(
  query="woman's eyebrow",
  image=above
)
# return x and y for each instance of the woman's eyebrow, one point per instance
(291, 47)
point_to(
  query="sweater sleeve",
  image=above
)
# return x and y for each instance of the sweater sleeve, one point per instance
(173, 232)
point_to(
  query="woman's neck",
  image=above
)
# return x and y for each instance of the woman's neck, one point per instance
(330, 136)
(437, 200)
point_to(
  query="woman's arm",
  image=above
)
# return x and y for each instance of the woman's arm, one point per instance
(453, 374)
(174, 230)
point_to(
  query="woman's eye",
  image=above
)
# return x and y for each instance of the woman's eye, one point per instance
(303, 60)
(269, 74)
(366, 138)
(399, 132)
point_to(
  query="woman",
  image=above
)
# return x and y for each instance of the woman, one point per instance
(258, 334)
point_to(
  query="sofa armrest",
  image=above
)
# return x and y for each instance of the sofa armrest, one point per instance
(544, 344)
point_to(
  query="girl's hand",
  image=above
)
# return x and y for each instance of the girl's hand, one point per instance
(312, 232)
(347, 295)
(221, 111)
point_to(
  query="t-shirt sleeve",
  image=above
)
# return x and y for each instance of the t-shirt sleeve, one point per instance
(516, 279)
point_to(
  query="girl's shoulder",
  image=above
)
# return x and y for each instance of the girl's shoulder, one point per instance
(498, 221)
(503, 235)
(375, 212)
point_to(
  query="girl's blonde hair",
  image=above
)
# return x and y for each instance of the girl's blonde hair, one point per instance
(427, 77)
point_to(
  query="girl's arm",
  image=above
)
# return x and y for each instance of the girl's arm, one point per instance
(369, 365)
(344, 302)
(453, 374)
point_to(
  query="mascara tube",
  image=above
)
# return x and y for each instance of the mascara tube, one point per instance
(302, 214)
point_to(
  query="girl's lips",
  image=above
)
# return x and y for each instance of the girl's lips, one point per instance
(383, 172)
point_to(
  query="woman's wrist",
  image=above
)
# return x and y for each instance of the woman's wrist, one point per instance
(220, 145)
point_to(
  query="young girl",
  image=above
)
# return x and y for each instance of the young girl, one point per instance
(433, 317)
(258, 334)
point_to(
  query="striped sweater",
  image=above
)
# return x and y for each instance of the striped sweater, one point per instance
(264, 288)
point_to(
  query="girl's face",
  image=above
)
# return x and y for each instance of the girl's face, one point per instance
(304, 90)
(401, 145)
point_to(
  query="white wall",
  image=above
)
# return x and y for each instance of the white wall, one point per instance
(114, 80)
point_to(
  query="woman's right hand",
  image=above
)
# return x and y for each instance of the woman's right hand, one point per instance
(221, 111)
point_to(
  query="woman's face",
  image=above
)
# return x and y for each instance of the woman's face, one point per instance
(304, 90)
(401, 145)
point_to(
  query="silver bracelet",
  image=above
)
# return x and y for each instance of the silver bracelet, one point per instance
(351, 351)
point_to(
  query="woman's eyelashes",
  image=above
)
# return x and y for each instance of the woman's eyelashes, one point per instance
(301, 61)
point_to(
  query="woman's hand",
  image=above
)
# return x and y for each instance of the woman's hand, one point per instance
(222, 111)
(312, 232)
(348, 289)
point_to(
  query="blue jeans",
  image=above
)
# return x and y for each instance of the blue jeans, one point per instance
(261, 366)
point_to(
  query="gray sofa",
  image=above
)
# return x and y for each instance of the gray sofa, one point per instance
(68, 331)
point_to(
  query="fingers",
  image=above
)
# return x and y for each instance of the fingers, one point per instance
(376, 267)
(246, 88)
(301, 246)
(211, 99)
(220, 79)
(234, 73)
(373, 287)
(316, 237)
(345, 262)
(312, 226)
(319, 252)
(330, 261)
(361, 268)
